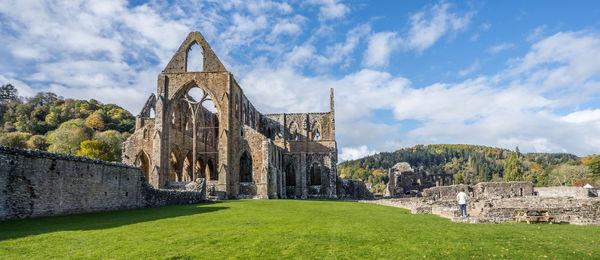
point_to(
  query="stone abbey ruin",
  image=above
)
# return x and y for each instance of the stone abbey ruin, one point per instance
(488, 202)
(240, 152)
(188, 148)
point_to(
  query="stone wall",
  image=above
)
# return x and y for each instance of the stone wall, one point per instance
(496, 202)
(405, 181)
(482, 190)
(563, 191)
(35, 183)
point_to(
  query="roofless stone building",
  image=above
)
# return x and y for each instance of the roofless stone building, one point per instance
(220, 136)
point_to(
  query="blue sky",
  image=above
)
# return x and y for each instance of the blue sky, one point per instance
(497, 73)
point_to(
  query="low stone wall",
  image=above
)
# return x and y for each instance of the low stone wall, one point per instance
(563, 191)
(482, 190)
(499, 202)
(36, 183)
(565, 210)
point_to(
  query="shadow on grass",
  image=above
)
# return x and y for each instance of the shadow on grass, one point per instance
(13, 229)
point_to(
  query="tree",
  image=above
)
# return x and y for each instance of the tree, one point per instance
(513, 169)
(95, 149)
(566, 174)
(37, 142)
(68, 137)
(95, 121)
(593, 162)
(8, 93)
(15, 139)
(114, 140)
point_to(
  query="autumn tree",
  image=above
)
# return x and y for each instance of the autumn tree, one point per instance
(68, 137)
(15, 139)
(95, 121)
(95, 149)
(37, 142)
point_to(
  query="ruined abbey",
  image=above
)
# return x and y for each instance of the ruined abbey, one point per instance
(221, 137)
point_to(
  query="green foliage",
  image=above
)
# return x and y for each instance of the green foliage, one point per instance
(68, 137)
(95, 149)
(14, 139)
(57, 124)
(470, 164)
(8, 94)
(286, 229)
(566, 174)
(113, 140)
(37, 142)
(593, 162)
(513, 169)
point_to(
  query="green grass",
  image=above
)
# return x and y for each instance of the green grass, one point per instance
(288, 229)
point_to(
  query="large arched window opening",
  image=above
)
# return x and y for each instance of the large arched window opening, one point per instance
(195, 58)
(143, 162)
(202, 114)
(290, 175)
(245, 167)
(315, 174)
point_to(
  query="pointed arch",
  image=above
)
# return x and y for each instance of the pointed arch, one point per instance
(294, 131)
(315, 131)
(143, 161)
(195, 58)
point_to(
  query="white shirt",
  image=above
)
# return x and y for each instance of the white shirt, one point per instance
(462, 198)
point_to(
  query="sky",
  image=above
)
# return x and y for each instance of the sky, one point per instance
(495, 73)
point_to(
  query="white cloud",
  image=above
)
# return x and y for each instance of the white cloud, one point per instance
(429, 26)
(380, 47)
(500, 47)
(330, 9)
(353, 153)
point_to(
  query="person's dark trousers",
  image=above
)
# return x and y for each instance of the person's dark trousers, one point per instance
(463, 210)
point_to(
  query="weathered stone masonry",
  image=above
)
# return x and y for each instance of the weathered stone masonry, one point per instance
(36, 183)
(241, 152)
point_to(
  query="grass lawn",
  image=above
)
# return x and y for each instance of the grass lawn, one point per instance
(288, 229)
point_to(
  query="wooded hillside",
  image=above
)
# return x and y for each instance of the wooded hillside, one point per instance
(472, 164)
(52, 123)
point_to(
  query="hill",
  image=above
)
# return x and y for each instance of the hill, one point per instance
(52, 123)
(472, 164)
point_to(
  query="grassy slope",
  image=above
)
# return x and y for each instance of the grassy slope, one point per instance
(288, 228)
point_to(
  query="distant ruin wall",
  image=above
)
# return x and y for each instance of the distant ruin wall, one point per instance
(564, 191)
(482, 190)
(35, 183)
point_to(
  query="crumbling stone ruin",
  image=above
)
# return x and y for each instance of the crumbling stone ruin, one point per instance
(240, 152)
(404, 181)
(36, 183)
(495, 202)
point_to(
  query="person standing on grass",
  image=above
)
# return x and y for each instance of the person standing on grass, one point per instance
(462, 203)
